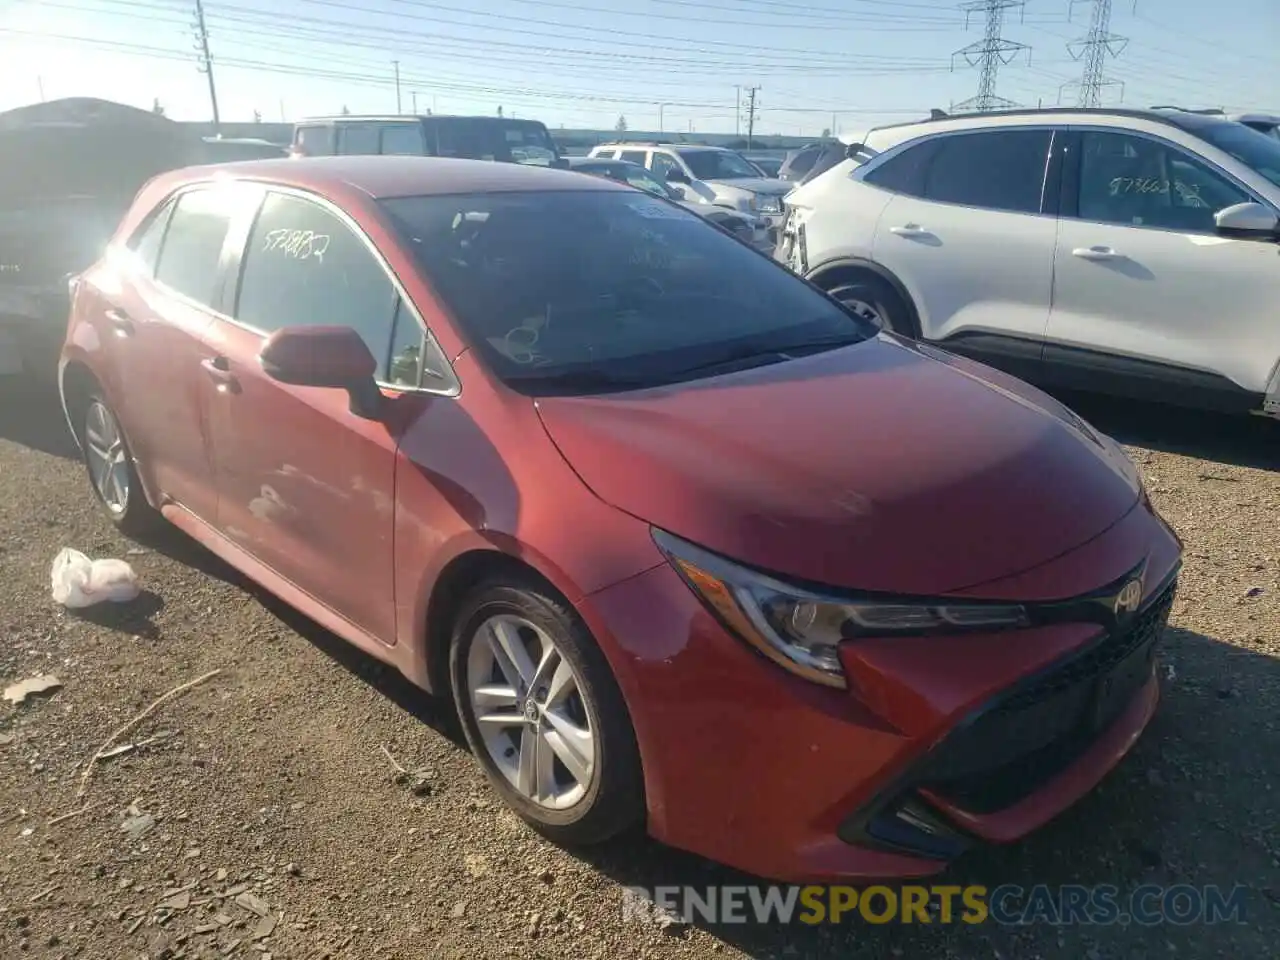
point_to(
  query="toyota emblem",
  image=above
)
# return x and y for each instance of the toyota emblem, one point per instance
(1129, 597)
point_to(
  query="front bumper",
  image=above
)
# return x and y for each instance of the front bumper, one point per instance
(752, 767)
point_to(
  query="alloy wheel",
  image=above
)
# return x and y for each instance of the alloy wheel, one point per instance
(107, 457)
(864, 311)
(531, 711)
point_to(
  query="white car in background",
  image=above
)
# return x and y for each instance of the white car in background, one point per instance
(706, 174)
(1128, 252)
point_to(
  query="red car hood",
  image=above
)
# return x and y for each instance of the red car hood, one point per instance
(882, 466)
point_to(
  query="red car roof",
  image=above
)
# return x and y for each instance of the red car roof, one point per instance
(380, 177)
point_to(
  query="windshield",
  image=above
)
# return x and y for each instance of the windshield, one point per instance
(718, 165)
(593, 291)
(1250, 147)
(476, 138)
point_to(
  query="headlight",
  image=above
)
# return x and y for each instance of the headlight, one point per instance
(800, 629)
(768, 204)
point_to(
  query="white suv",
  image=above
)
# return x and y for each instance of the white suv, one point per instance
(1128, 252)
(702, 174)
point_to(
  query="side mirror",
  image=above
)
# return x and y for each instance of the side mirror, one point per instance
(676, 175)
(329, 357)
(1248, 221)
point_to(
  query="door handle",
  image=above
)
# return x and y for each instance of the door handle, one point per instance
(1096, 253)
(909, 230)
(219, 370)
(121, 325)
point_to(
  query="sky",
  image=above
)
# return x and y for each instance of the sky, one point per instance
(687, 64)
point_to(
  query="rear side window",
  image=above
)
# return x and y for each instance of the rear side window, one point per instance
(145, 244)
(358, 138)
(802, 161)
(192, 245)
(404, 139)
(634, 156)
(905, 172)
(999, 170)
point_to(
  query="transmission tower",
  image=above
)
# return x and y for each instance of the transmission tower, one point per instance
(989, 53)
(1094, 49)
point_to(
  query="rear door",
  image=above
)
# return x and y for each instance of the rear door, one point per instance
(307, 487)
(970, 235)
(157, 320)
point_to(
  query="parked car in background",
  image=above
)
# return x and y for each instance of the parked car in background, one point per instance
(70, 169)
(797, 163)
(769, 166)
(1266, 123)
(701, 173)
(753, 230)
(1128, 252)
(486, 423)
(228, 149)
(503, 139)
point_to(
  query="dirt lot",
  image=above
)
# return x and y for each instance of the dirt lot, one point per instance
(265, 820)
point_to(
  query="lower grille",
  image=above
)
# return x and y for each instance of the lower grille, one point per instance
(1039, 728)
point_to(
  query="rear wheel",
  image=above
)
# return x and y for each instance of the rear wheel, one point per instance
(544, 715)
(875, 301)
(111, 470)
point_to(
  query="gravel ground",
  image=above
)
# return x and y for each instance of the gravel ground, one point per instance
(264, 818)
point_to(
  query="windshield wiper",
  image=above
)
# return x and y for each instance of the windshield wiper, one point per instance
(589, 381)
(741, 357)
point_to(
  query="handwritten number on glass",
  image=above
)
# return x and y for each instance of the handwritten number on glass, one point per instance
(298, 244)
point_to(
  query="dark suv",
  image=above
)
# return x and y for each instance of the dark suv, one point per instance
(475, 138)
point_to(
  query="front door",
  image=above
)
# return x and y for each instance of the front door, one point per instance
(1145, 291)
(968, 235)
(306, 486)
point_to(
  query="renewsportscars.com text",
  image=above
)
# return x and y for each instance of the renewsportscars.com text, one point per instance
(1007, 905)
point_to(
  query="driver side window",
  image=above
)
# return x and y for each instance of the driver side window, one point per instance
(1135, 181)
(663, 164)
(304, 266)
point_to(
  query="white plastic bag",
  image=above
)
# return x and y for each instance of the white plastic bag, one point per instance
(80, 582)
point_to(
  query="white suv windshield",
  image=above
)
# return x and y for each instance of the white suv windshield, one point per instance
(1254, 149)
(718, 165)
(594, 291)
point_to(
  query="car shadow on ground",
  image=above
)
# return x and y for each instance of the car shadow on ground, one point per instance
(434, 712)
(31, 415)
(1243, 441)
(1178, 810)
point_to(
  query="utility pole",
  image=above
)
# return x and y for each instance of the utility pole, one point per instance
(989, 54)
(40, 85)
(396, 64)
(414, 95)
(737, 111)
(206, 62)
(1093, 49)
(751, 114)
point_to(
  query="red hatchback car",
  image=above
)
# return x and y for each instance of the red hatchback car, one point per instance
(687, 544)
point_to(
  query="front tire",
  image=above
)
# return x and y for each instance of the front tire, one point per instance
(111, 469)
(876, 301)
(543, 714)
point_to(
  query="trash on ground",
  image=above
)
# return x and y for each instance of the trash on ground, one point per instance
(80, 582)
(17, 693)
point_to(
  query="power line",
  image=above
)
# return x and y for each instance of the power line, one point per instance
(989, 53)
(1093, 49)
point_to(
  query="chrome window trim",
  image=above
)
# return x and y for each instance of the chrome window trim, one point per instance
(859, 172)
(1213, 166)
